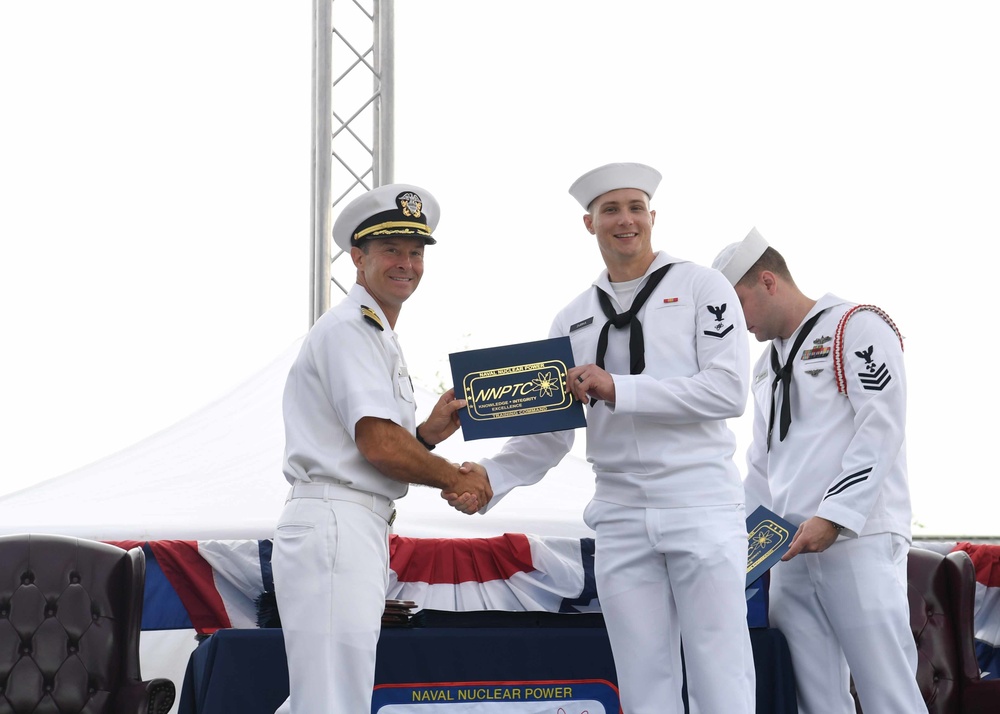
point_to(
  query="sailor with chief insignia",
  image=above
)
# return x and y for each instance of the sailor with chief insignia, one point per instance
(352, 446)
(828, 454)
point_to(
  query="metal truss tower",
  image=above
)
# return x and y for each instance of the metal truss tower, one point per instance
(352, 125)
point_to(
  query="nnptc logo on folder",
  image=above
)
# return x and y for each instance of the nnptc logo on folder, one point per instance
(517, 390)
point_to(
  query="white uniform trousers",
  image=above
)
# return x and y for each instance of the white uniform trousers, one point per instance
(673, 573)
(844, 611)
(330, 562)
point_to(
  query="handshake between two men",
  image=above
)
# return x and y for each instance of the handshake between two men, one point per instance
(472, 491)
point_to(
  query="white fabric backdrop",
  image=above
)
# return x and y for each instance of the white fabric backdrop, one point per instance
(217, 475)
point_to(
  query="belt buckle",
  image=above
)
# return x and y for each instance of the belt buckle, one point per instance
(392, 518)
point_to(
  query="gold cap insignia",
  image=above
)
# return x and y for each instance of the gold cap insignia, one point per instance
(411, 204)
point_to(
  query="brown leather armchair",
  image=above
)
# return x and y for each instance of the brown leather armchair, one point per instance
(942, 593)
(70, 616)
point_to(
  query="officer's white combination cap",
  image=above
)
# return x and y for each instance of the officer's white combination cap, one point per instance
(737, 258)
(610, 177)
(396, 210)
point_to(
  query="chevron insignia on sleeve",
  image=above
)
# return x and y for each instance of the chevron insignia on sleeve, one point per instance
(372, 317)
(873, 378)
(721, 329)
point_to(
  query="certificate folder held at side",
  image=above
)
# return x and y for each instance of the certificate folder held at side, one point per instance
(768, 538)
(516, 389)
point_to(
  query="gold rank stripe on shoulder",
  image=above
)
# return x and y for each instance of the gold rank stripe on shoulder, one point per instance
(372, 317)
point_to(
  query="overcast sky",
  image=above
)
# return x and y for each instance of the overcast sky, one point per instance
(155, 193)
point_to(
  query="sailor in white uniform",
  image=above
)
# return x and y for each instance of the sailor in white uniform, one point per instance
(828, 454)
(662, 361)
(352, 446)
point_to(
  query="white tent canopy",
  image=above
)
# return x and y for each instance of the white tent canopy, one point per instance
(217, 475)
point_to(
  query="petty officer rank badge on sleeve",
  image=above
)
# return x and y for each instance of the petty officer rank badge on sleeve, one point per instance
(721, 328)
(873, 376)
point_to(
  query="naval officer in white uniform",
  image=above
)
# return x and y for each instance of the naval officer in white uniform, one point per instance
(829, 453)
(351, 448)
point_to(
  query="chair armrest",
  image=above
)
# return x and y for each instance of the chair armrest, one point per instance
(981, 697)
(154, 696)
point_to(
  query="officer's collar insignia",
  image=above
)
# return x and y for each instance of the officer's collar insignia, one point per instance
(372, 317)
(822, 340)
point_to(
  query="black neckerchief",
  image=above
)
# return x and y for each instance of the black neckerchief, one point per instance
(636, 346)
(784, 376)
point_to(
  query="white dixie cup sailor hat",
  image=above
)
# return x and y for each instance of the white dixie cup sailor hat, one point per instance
(737, 258)
(610, 177)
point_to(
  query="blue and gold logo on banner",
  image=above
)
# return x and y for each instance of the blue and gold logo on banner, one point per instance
(516, 389)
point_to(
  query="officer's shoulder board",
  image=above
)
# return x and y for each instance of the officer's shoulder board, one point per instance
(371, 317)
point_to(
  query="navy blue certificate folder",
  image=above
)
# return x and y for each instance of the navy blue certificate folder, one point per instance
(516, 389)
(768, 538)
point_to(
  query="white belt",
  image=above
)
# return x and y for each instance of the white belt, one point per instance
(380, 505)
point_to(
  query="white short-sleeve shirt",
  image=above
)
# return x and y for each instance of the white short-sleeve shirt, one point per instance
(348, 368)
